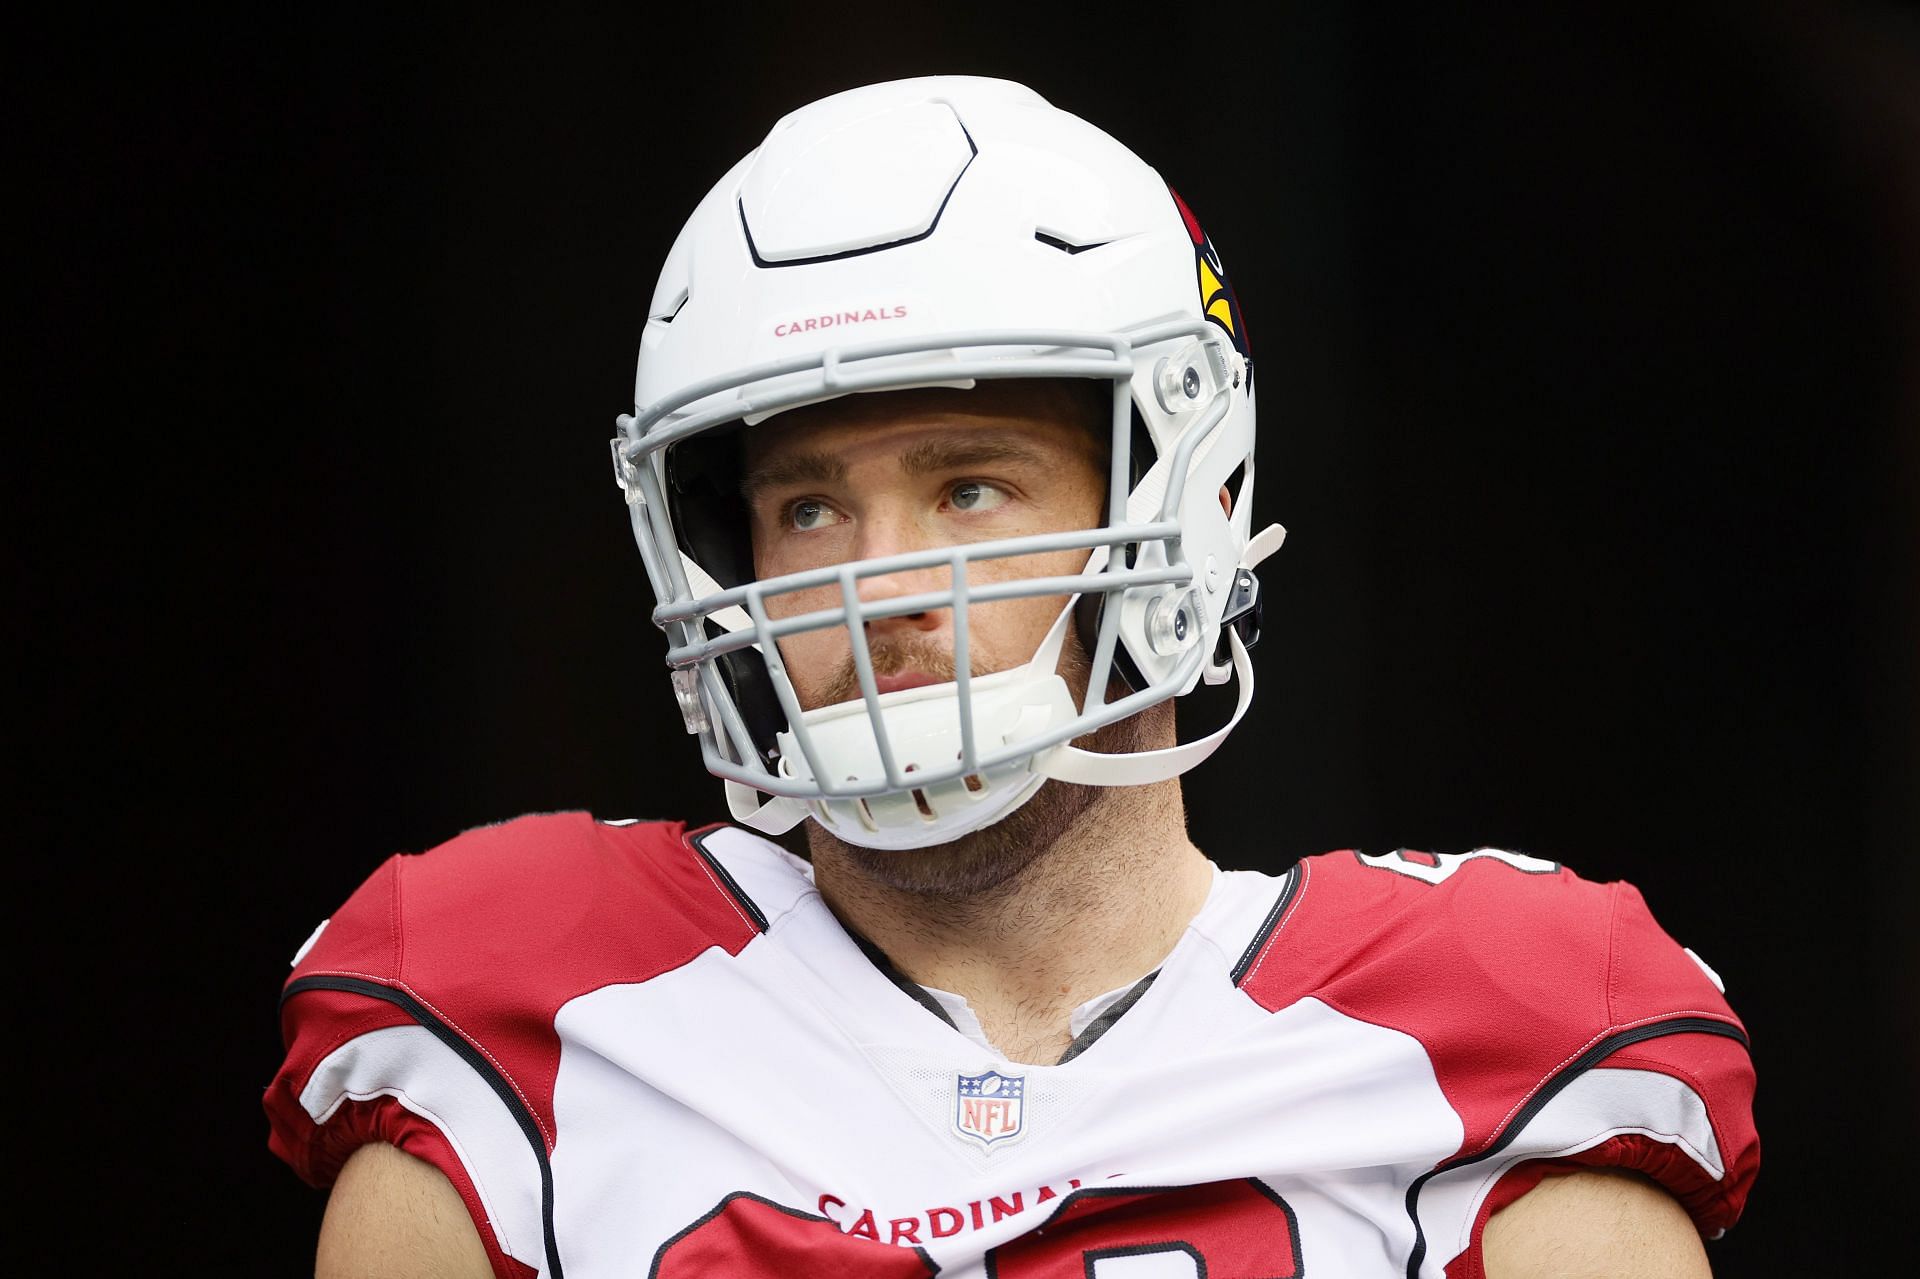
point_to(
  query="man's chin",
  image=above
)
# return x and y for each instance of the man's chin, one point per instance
(977, 863)
(994, 857)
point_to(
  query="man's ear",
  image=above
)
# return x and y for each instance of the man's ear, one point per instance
(1226, 501)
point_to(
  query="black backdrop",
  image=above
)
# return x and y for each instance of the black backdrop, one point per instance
(1590, 357)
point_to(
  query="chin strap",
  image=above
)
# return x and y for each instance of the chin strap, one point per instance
(778, 815)
(1091, 768)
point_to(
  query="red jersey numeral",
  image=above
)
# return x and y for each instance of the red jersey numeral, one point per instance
(1224, 1230)
(746, 1235)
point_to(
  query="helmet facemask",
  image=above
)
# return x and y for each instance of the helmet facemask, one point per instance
(921, 766)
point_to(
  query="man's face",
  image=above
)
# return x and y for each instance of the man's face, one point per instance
(883, 473)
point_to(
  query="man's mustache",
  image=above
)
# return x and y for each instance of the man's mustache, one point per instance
(895, 656)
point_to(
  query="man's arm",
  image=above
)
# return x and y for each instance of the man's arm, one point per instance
(1594, 1224)
(392, 1216)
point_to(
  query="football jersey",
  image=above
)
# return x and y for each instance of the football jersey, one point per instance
(637, 1049)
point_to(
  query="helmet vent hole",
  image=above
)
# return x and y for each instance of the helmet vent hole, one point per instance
(974, 781)
(920, 796)
(1236, 485)
(1065, 245)
(672, 311)
(866, 815)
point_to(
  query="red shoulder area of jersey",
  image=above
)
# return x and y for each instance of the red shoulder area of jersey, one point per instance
(1510, 971)
(490, 933)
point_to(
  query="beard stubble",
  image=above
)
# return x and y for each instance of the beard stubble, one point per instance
(991, 859)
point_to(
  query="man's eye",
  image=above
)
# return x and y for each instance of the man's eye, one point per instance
(972, 495)
(808, 514)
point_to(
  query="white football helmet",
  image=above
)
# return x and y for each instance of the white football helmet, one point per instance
(935, 232)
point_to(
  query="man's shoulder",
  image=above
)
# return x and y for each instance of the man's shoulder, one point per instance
(1552, 1010)
(550, 891)
(1456, 942)
(462, 959)
(1344, 905)
(552, 857)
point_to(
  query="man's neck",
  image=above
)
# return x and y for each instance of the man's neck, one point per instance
(1096, 909)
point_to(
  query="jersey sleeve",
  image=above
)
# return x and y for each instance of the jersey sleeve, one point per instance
(423, 1012)
(1713, 1156)
(1662, 1085)
(1563, 1025)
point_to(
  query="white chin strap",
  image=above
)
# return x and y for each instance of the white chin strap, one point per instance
(1141, 768)
(775, 815)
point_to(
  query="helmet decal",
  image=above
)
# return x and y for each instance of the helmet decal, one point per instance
(1217, 299)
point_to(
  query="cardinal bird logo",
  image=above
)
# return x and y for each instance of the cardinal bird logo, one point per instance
(1216, 294)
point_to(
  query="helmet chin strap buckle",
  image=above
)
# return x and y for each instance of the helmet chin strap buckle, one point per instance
(1242, 615)
(1244, 605)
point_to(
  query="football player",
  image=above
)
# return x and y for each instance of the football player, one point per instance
(940, 466)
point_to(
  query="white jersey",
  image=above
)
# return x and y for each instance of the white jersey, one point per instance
(640, 1050)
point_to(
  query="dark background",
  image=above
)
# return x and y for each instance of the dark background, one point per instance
(1589, 346)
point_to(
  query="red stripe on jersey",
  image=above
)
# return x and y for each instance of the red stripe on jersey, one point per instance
(337, 1017)
(1720, 1072)
(493, 931)
(1506, 978)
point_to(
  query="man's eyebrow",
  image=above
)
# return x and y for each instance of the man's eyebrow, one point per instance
(963, 451)
(794, 468)
(928, 456)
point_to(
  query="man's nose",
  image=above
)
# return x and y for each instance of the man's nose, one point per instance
(884, 534)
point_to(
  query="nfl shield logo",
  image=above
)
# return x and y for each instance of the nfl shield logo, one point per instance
(989, 1107)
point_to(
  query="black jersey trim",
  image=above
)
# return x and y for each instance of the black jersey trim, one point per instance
(1105, 1021)
(920, 995)
(1287, 892)
(446, 1034)
(908, 986)
(697, 841)
(1579, 1066)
